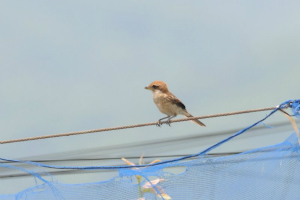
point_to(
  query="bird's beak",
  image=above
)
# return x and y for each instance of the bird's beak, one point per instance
(147, 88)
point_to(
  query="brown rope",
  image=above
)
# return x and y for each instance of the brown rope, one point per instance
(132, 126)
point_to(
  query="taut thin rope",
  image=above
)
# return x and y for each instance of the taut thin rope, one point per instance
(294, 104)
(132, 126)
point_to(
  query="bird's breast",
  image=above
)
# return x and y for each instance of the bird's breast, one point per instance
(165, 105)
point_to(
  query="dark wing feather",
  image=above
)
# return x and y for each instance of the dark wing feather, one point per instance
(176, 101)
(180, 105)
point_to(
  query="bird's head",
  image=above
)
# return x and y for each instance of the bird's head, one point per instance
(157, 86)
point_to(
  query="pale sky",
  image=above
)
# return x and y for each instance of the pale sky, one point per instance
(77, 65)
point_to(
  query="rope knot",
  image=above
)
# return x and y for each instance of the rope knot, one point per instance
(286, 104)
(295, 106)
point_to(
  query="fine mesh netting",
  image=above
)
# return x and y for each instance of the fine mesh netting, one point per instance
(266, 173)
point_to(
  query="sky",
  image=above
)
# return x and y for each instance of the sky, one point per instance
(78, 65)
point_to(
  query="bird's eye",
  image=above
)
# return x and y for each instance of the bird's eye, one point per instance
(155, 86)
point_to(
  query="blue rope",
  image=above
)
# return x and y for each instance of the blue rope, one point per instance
(294, 104)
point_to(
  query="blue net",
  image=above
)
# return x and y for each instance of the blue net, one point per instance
(270, 172)
(295, 105)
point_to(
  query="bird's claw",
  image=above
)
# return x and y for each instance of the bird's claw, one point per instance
(158, 124)
(168, 122)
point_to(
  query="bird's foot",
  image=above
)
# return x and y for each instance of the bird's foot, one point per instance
(168, 122)
(158, 124)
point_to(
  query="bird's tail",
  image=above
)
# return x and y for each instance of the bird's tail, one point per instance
(196, 121)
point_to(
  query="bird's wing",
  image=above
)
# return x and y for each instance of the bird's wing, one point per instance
(171, 97)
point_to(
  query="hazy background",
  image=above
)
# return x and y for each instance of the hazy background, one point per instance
(78, 65)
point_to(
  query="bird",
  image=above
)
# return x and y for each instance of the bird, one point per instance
(168, 103)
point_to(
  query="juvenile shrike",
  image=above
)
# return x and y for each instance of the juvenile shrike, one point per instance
(167, 103)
